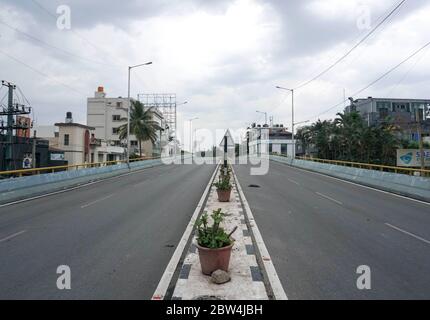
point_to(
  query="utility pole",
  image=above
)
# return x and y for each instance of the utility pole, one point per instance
(292, 119)
(33, 153)
(9, 127)
(420, 139)
(129, 109)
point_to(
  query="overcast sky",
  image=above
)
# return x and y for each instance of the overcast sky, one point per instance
(224, 57)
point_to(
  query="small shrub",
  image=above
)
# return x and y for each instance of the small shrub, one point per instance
(223, 184)
(212, 237)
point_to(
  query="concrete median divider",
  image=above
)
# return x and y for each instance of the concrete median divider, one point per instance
(15, 189)
(402, 184)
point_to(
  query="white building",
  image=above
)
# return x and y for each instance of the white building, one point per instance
(74, 140)
(106, 115)
(265, 139)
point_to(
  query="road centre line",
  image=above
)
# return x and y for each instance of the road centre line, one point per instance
(329, 198)
(295, 182)
(97, 201)
(353, 183)
(12, 236)
(408, 233)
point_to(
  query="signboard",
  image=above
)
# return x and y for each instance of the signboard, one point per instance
(27, 162)
(57, 157)
(412, 158)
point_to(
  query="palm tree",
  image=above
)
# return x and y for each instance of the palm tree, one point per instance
(142, 124)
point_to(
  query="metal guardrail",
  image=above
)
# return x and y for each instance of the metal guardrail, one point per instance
(369, 166)
(36, 171)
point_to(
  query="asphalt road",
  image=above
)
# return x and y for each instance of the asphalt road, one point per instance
(318, 230)
(117, 236)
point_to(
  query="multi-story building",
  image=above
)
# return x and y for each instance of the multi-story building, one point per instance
(404, 113)
(74, 139)
(106, 115)
(277, 137)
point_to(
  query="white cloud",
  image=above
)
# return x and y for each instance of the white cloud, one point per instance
(225, 58)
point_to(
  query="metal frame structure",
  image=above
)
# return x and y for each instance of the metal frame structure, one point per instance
(13, 109)
(166, 104)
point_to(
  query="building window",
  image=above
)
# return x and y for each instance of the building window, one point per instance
(284, 149)
(119, 104)
(116, 117)
(115, 130)
(66, 139)
(133, 143)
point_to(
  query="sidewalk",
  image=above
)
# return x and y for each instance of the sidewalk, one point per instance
(247, 281)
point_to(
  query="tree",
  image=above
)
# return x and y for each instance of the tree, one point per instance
(349, 138)
(142, 124)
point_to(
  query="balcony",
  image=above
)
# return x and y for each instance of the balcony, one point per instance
(95, 142)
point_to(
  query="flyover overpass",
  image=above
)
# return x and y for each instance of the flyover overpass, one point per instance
(118, 234)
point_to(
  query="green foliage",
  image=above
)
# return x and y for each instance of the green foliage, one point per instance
(224, 183)
(349, 138)
(142, 124)
(414, 144)
(212, 237)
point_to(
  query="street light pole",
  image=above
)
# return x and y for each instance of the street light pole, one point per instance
(191, 137)
(265, 116)
(176, 126)
(129, 107)
(292, 118)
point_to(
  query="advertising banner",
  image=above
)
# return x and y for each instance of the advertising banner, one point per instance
(412, 158)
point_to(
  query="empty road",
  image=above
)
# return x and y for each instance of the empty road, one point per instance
(318, 230)
(117, 236)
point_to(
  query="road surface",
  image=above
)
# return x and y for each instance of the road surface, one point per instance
(117, 236)
(318, 230)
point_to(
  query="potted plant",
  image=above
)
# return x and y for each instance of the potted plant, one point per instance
(223, 188)
(225, 171)
(213, 243)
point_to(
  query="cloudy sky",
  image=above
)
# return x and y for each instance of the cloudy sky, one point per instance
(225, 57)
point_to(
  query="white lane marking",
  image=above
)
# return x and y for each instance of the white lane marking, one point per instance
(275, 282)
(408, 233)
(329, 198)
(78, 186)
(167, 276)
(13, 236)
(356, 184)
(295, 182)
(97, 201)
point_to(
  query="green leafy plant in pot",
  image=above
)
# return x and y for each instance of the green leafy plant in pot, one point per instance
(213, 243)
(223, 188)
(225, 171)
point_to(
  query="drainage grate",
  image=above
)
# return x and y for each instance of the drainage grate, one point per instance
(254, 186)
(207, 298)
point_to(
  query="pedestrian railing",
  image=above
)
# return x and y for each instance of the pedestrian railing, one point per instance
(369, 166)
(36, 171)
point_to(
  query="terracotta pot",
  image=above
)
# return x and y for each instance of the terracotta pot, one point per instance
(224, 195)
(214, 259)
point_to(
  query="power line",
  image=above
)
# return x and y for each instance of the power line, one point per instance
(353, 48)
(41, 73)
(73, 31)
(106, 53)
(406, 74)
(52, 46)
(377, 80)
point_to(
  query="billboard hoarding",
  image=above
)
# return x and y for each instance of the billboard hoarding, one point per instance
(412, 158)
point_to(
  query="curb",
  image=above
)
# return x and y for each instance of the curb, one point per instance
(275, 286)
